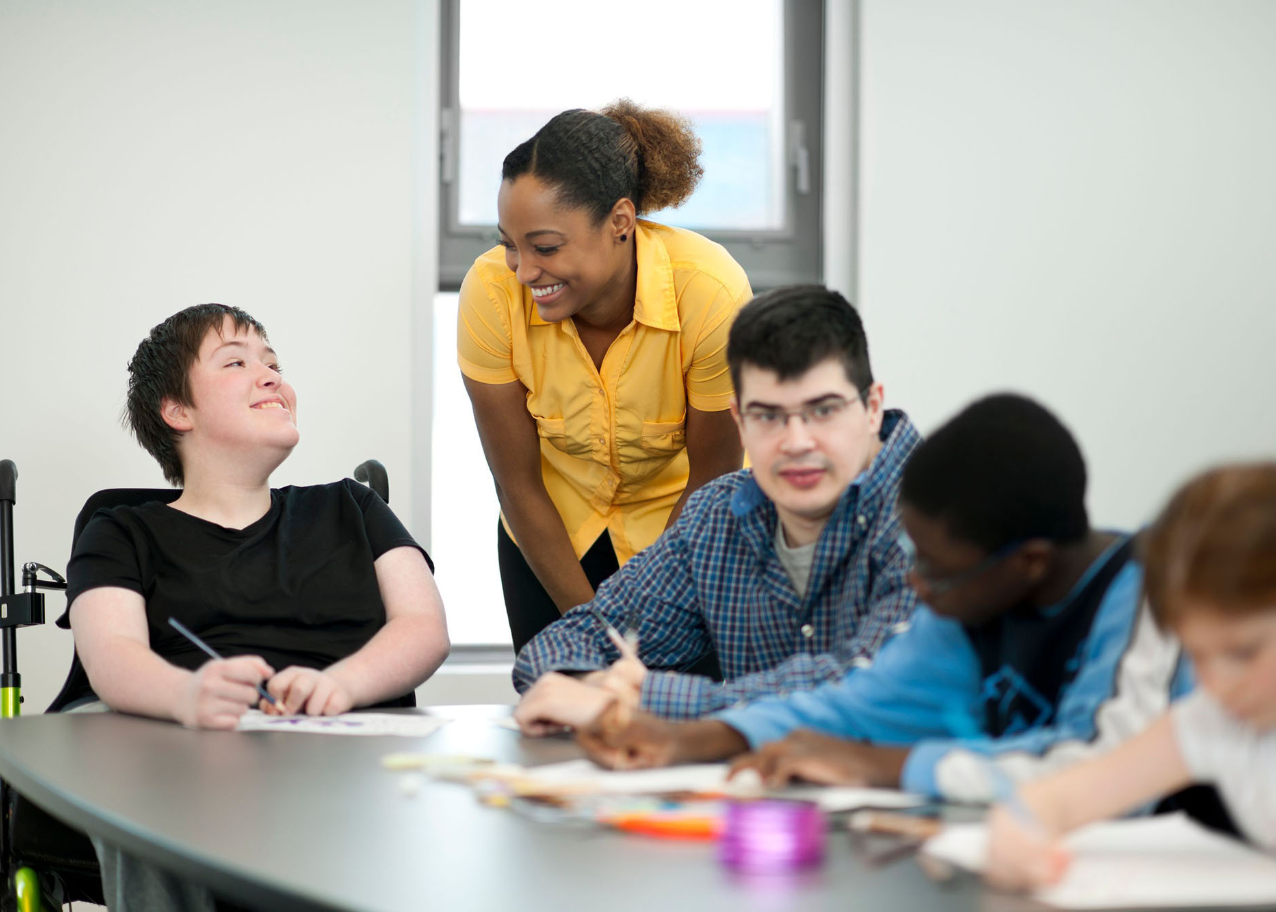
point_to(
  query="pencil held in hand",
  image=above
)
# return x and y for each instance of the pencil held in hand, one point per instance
(186, 632)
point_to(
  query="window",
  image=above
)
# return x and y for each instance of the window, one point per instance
(748, 74)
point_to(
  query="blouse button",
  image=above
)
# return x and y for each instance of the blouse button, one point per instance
(862, 520)
(808, 631)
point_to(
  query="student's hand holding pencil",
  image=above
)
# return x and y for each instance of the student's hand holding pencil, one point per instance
(1021, 856)
(557, 701)
(220, 691)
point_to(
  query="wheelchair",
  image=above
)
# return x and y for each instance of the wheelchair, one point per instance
(44, 862)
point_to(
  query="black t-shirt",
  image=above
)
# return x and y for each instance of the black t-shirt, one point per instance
(297, 587)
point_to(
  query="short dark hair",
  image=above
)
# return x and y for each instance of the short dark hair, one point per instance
(789, 330)
(595, 159)
(160, 369)
(1004, 470)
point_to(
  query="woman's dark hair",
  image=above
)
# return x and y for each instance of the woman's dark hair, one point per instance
(594, 159)
(1004, 470)
(1214, 545)
(160, 370)
(791, 329)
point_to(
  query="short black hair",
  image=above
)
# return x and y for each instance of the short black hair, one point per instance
(160, 370)
(1004, 470)
(789, 330)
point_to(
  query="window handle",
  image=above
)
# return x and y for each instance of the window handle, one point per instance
(447, 145)
(800, 157)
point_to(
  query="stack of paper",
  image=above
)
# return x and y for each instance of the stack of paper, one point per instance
(584, 777)
(1150, 862)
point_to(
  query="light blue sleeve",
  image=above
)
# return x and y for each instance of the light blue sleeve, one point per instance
(924, 683)
(1127, 670)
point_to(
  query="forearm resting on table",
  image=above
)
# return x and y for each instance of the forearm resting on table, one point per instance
(129, 677)
(545, 544)
(402, 654)
(707, 741)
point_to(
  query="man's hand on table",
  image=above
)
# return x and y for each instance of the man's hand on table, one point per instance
(308, 690)
(824, 760)
(558, 700)
(628, 739)
(220, 691)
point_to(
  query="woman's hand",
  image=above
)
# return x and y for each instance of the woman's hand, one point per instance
(308, 690)
(1021, 857)
(220, 691)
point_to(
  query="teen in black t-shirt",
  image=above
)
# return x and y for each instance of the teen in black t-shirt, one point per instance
(319, 592)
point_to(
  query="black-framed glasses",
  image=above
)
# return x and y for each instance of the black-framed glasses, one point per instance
(938, 585)
(766, 419)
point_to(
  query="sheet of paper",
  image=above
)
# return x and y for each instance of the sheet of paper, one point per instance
(1150, 862)
(507, 722)
(407, 725)
(584, 775)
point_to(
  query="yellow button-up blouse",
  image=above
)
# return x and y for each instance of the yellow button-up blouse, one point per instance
(613, 441)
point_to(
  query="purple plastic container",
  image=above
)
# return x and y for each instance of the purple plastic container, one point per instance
(771, 835)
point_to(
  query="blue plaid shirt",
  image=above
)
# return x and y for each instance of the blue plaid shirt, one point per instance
(713, 582)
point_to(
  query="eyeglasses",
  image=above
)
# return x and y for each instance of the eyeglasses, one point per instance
(938, 585)
(768, 420)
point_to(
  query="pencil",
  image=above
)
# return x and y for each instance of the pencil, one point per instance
(627, 642)
(182, 629)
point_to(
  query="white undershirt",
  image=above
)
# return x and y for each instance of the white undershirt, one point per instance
(1238, 760)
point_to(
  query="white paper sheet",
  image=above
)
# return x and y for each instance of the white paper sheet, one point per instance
(1150, 862)
(585, 776)
(408, 725)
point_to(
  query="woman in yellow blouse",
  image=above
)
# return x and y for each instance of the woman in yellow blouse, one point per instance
(593, 347)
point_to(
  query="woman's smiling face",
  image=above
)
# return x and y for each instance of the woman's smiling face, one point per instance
(566, 259)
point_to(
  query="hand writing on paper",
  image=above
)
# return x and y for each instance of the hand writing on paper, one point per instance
(557, 700)
(308, 690)
(220, 691)
(621, 738)
(1020, 857)
(824, 760)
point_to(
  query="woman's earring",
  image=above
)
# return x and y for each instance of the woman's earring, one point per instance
(623, 238)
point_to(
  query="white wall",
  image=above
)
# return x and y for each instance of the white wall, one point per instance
(1077, 199)
(159, 154)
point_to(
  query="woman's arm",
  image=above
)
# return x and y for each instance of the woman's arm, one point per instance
(512, 448)
(111, 637)
(713, 449)
(407, 650)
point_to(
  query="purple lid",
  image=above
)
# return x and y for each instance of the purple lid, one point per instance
(772, 835)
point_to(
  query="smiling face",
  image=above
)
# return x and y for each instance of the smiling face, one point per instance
(568, 261)
(241, 405)
(1235, 659)
(803, 465)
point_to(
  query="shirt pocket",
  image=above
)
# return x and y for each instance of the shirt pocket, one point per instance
(554, 430)
(663, 438)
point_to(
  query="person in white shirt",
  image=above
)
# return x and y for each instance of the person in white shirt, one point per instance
(1211, 579)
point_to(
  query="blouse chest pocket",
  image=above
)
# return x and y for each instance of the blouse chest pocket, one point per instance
(663, 438)
(554, 430)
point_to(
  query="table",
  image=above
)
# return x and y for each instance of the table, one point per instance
(291, 821)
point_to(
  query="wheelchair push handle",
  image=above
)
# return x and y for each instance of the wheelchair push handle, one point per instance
(8, 481)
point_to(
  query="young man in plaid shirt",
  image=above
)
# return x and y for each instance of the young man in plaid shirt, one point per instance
(789, 573)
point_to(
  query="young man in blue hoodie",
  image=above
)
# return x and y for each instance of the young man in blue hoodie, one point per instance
(1028, 650)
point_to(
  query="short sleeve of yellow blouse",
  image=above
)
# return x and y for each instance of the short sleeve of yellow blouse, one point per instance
(613, 440)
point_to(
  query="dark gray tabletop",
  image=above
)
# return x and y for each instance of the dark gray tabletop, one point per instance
(293, 821)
